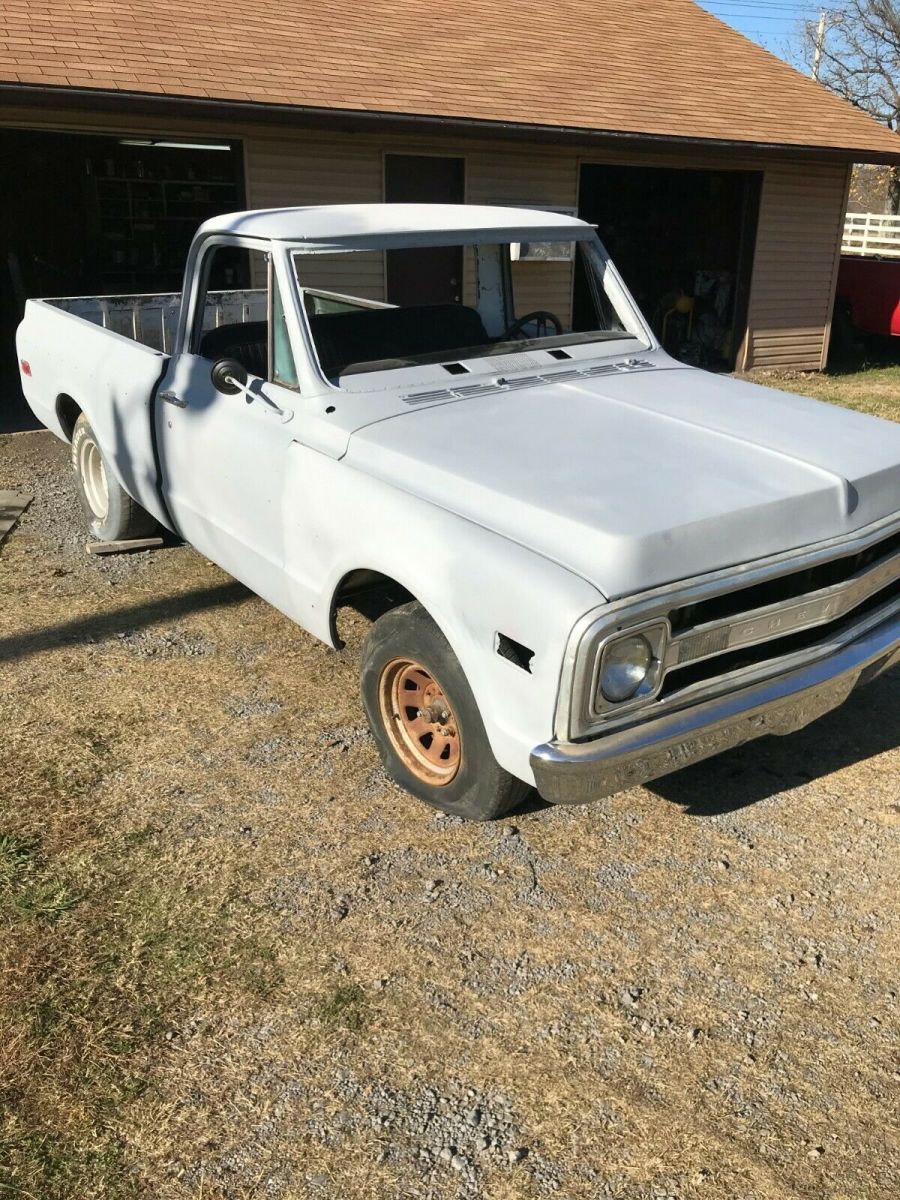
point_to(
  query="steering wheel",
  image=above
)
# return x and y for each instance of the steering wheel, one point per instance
(542, 319)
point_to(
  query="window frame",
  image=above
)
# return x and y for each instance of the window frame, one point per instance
(275, 282)
(605, 283)
(199, 268)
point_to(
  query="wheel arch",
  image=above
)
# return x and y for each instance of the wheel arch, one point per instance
(68, 410)
(516, 705)
(474, 583)
(372, 591)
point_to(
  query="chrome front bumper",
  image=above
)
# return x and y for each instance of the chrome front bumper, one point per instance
(575, 772)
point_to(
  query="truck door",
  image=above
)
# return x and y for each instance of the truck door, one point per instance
(223, 457)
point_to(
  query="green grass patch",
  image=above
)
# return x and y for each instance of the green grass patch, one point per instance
(256, 962)
(28, 891)
(344, 1005)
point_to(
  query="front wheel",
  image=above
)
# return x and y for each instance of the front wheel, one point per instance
(425, 720)
(111, 513)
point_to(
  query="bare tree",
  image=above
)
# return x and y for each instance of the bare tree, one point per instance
(859, 58)
(869, 189)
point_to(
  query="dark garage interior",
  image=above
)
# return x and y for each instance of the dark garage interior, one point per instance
(683, 242)
(94, 215)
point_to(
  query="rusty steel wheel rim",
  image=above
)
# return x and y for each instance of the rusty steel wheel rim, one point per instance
(419, 721)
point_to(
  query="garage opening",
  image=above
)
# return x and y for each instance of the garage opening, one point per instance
(100, 215)
(683, 241)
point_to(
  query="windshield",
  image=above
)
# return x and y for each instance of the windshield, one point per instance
(379, 310)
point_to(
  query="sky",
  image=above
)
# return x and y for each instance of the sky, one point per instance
(774, 24)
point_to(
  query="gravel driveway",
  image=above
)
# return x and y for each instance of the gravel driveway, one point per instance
(688, 990)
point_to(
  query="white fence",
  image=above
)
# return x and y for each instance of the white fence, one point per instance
(876, 234)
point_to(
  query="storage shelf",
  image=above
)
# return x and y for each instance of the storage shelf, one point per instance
(142, 222)
(174, 182)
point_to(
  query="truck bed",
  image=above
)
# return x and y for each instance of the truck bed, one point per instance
(152, 319)
(104, 356)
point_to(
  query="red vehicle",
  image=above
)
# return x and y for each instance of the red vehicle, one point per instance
(868, 294)
(868, 287)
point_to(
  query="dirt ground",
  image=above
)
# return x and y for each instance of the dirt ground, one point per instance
(237, 962)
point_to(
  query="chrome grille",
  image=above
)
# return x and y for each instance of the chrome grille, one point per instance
(814, 604)
(734, 628)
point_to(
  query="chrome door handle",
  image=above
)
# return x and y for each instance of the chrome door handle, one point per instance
(172, 398)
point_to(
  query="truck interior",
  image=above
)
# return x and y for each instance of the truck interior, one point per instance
(356, 334)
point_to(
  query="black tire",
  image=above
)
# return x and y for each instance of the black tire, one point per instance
(480, 790)
(121, 518)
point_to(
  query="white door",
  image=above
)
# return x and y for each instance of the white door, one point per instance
(223, 457)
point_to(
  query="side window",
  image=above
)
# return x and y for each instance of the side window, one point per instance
(233, 313)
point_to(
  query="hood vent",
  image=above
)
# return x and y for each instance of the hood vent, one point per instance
(603, 369)
(475, 389)
(425, 397)
(501, 384)
(562, 376)
(520, 381)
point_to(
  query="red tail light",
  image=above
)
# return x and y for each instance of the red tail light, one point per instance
(26, 366)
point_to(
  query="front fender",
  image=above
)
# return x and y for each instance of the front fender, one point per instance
(474, 584)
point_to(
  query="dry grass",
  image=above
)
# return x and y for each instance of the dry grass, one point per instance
(102, 942)
(873, 390)
(221, 964)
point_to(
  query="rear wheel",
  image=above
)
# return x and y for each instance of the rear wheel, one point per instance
(111, 513)
(425, 720)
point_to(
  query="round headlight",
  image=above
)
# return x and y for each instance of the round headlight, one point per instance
(626, 665)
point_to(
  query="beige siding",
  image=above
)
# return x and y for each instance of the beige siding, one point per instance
(800, 220)
(516, 175)
(316, 169)
(282, 172)
(794, 266)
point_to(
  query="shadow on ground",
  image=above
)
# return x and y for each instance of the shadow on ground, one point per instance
(856, 352)
(122, 620)
(867, 725)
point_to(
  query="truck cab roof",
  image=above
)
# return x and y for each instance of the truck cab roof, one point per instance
(379, 224)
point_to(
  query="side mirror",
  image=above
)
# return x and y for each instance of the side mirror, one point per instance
(229, 376)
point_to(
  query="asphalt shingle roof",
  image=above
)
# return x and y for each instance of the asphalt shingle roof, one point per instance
(658, 67)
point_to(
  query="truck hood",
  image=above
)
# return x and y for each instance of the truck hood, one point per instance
(647, 478)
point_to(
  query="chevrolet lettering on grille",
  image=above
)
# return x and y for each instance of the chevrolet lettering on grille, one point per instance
(780, 620)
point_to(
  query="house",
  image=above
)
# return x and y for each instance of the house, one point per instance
(716, 174)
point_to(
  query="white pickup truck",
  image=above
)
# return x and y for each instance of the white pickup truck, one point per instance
(590, 565)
